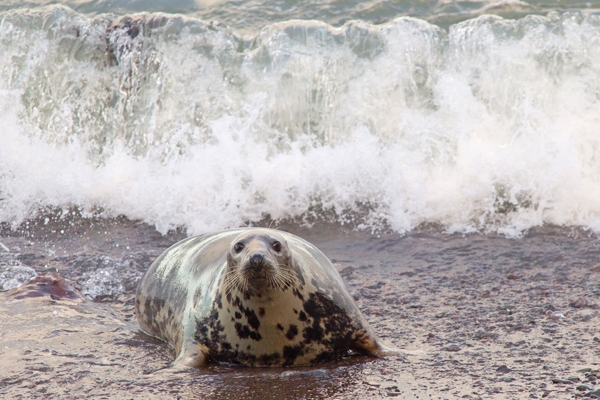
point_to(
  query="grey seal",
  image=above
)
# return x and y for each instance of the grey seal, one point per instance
(254, 297)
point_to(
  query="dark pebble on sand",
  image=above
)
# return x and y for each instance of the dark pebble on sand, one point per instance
(594, 395)
(596, 339)
(580, 302)
(583, 387)
(561, 381)
(503, 369)
(453, 347)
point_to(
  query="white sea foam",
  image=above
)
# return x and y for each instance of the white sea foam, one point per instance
(494, 125)
(13, 276)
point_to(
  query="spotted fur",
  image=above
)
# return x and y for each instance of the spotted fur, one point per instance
(257, 306)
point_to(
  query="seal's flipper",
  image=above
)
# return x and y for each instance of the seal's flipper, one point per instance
(367, 343)
(191, 356)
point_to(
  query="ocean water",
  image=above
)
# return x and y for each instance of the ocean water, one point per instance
(490, 125)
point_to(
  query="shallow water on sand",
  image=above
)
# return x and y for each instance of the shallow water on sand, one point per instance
(480, 316)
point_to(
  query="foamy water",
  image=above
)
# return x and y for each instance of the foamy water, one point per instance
(494, 125)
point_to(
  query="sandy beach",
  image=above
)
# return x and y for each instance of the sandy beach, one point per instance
(478, 316)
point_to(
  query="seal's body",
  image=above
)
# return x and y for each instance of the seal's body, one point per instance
(253, 296)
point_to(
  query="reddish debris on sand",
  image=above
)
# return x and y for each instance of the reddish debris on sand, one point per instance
(46, 285)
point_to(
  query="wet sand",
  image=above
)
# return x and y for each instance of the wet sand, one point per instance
(480, 316)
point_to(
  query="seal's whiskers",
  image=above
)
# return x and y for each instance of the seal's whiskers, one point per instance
(284, 278)
(234, 280)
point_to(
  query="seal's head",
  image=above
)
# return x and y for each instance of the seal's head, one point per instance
(259, 260)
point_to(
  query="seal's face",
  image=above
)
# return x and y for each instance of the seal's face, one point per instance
(258, 262)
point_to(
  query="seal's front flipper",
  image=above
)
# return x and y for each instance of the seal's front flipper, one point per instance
(191, 356)
(382, 350)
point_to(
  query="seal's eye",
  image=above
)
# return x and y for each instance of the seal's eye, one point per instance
(276, 246)
(238, 247)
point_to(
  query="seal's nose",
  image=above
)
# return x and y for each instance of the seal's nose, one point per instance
(256, 262)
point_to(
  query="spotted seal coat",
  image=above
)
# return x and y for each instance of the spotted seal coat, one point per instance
(252, 296)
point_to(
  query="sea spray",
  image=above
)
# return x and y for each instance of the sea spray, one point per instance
(493, 126)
